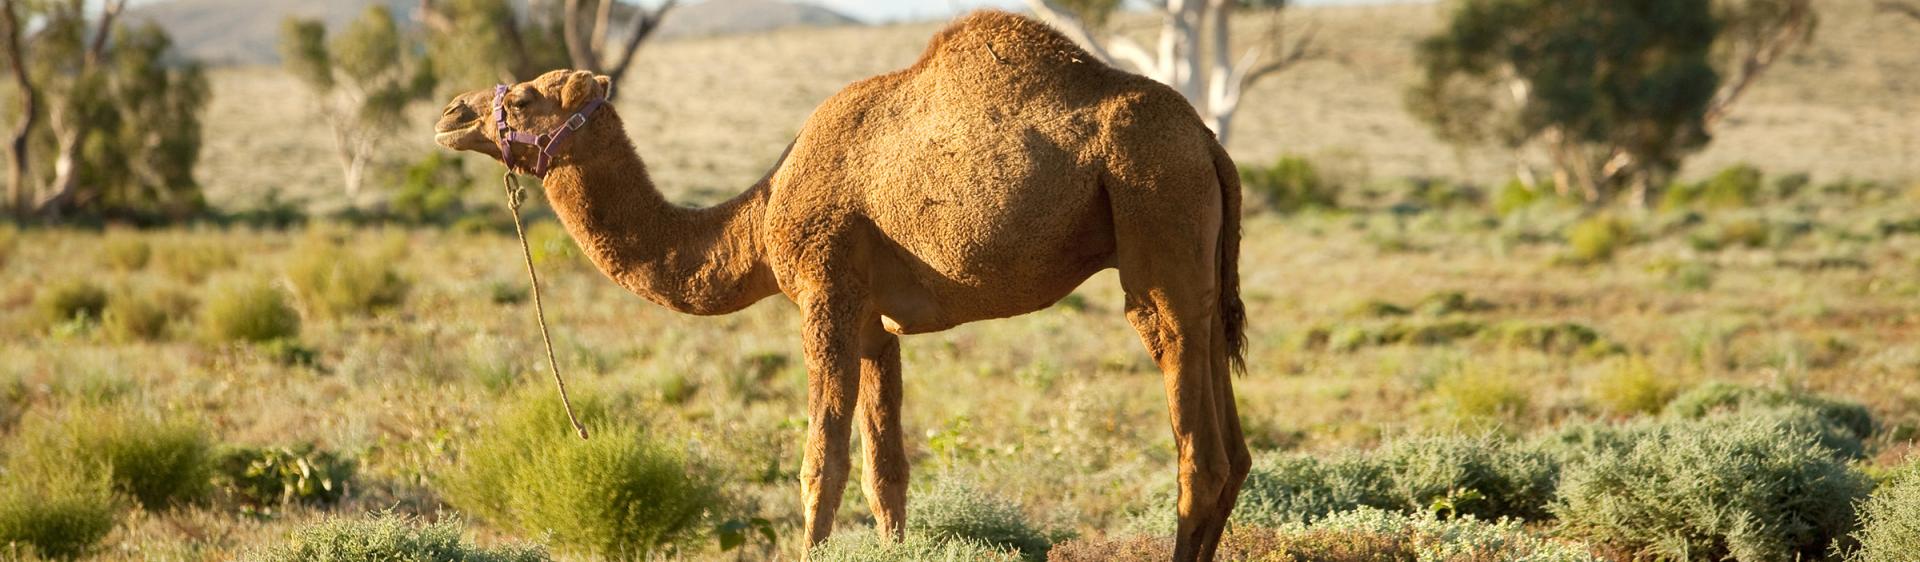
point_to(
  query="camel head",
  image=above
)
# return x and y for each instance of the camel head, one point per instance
(539, 106)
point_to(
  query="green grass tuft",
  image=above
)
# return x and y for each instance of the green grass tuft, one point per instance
(71, 300)
(1596, 240)
(160, 463)
(59, 515)
(125, 252)
(248, 311)
(391, 538)
(331, 281)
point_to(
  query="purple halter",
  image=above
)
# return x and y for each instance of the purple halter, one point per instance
(545, 142)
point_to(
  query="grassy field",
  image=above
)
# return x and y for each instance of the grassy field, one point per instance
(1413, 310)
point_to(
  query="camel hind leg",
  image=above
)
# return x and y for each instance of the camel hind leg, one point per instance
(885, 478)
(1166, 251)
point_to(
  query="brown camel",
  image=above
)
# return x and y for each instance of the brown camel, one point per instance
(988, 180)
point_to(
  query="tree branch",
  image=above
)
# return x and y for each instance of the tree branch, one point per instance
(18, 190)
(642, 26)
(1795, 26)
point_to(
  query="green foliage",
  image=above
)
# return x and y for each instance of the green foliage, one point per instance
(1601, 75)
(1596, 240)
(125, 252)
(193, 262)
(552, 246)
(248, 311)
(483, 40)
(391, 538)
(1283, 489)
(1360, 535)
(953, 511)
(143, 315)
(618, 495)
(1479, 476)
(1291, 184)
(1736, 187)
(870, 547)
(70, 300)
(158, 462)
(431, 191)
(374, 61)
(332, 281)
(1838, 424)
(1752, 489)
(1559, 338)
(1890, 521)
(1517, 195)
(262, 479)
(148, 127)
(1476, 397)
(57, 515)
(1630, 386)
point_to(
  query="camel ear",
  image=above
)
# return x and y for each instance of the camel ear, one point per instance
(583, 86)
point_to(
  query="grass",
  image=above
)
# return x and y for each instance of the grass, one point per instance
(71, 300)
(248, 311)
(159, 463)
(332, 281)
(62, 515)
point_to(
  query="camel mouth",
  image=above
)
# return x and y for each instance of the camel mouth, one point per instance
(457, 138)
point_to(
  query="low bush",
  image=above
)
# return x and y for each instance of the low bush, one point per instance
(952, 510)
(1484, 476)
(71, 300)
(1596, 240)
(1362, 535)
(143, 316)
(1721, 397)
(125, 252)
(1628, 387)
(1744, 233)
(193, 262)
(1476, 397)
(262, 479)
(1747, 488)
(59, 515)
(248, 311)
(391, 538)
(618, 495)
(157, 462)
(1890, 520)
(1558, 338)
(1737, 186)
(867, 546)
(331, 281)
(432, 191)
(1289, 185)
(1283, 489)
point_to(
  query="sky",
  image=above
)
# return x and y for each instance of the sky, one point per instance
(891, 10)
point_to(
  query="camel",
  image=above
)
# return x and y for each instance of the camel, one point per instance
(988, 180)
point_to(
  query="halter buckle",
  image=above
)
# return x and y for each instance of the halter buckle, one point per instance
(577, 121)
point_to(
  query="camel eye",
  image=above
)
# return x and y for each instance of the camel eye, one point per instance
(519, 102)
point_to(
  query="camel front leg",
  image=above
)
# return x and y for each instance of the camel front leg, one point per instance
(886, 461)
(831, 341)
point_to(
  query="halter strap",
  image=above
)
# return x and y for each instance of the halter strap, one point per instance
(547, 142)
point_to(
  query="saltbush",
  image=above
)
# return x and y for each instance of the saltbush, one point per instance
(391, 538)
(1289, 185)
(1746, 488)
(1720, 397)
(157, 462)
(1890, 521)
(1362, 535)
(261, 479)
(331, 281)
(248, 311)
(867, 546)
(58, 515)
(1296, 488)
(1481, 476)
(953, 510)
(618, 495)
(70, 300)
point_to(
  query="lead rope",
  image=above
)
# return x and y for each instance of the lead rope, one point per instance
(514, 192)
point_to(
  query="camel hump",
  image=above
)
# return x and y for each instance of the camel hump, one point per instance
(1004, 39)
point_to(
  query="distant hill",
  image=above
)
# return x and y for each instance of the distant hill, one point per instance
(244, 32)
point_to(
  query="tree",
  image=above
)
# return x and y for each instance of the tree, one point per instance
(1616, 92)
(363, 81)
(119, 128)
(1215, 85)
(490, 41)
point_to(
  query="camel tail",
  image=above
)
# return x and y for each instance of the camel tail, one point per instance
(1233, 312)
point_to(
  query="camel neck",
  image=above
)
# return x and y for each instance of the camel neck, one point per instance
(698, 261)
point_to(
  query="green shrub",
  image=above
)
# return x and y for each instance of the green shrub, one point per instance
(1738, 186)
(1890, 521)
(390, 538)
(870, 547)
(1596, 240)
(1751, 490)
(1517, 195)
(1480, 476)
(125, 252)
(618, 495)
(431, 190)
(1362, 535)
(1284, 489)
(69, 301)
(248, 311)
(1717, 397)
(331, 281)
(1475, 396)
(193, 262)
(1291, 184)
(1558, 338)
(158, 462)
(1630, 386)
(142, 316)
(59, 515)
(262, 479)
(954, 511)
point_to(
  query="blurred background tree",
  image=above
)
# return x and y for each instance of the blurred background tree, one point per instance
(1617, 93)
(363, 81)
(107, 121)
(1194, 54)
(484, 42)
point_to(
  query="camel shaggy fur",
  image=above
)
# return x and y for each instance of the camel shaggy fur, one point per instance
(987, 180)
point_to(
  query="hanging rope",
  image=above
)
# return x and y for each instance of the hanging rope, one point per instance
(514, 195)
